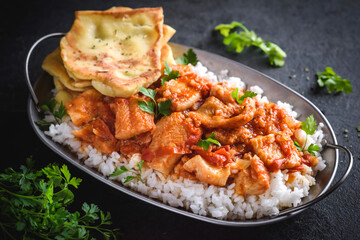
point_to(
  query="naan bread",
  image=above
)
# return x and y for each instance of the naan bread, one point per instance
(54, 66)
(118, 50)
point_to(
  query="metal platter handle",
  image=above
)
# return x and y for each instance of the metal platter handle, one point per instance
(329, 190)
(27, 77)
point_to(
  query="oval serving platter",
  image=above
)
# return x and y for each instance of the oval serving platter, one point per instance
(272, 89)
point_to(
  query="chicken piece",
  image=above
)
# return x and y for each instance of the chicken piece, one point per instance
(130, 119)
(88, 106)
(254, 180)
(215, 114)
(205, 172)
(277, 152)
(230, 136)
(184, 91)
(172, 138)
(98, 134)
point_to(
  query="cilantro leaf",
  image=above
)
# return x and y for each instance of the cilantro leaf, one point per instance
(35, 203)
(312, 148)
(309, 126)
(147, 106)
(164, 107)
(211, 140)
(333, 82)
(247, 94)
(188, 57)
(297, 146)
(136, 175)
(58, 112)
(148, 92)
(238, 40)
(152, 106)
(169, 74)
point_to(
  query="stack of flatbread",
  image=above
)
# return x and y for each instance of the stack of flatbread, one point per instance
(114, 51)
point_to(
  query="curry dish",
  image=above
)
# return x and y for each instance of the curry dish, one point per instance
(256, 138)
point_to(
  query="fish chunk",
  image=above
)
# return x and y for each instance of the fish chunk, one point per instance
(276, 151)
(130, 120)
(215, 114)
(205, 172)
(172, 138)
(254, 180)
(88, 106)
(98, 134)
(184, 91)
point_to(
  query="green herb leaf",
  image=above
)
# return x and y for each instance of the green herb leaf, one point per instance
(358, 128)
(211, 140)
(169, 74)
(58, 113)
(147, 106)
(35, 204)
(247, 94)
(164, 107)
(297, 146)
(309, 126)
(312, 149)
(188, 57)
(333, 82)
(237, 41)
(123, 169)
(148, 92)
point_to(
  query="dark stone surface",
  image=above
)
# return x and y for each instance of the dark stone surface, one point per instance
(314, 34)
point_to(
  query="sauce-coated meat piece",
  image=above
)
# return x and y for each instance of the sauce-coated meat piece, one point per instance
(206, 172)
(254, 180)
(276, 151)
(98, 134)
(130, 119)
(215, 114)
(173, 137)
(88, 106)
(184, 91)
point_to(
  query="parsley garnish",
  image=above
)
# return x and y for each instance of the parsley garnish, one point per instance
(135, 175)
(237, 41)
(309, 127)
(57, 112)
(188, 57)
(235, 94)
(35, 204)
(169, 74)
(333, 82)
(205, 144)
(152, 106)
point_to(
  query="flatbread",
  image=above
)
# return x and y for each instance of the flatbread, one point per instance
(118, 50)
(54, 66)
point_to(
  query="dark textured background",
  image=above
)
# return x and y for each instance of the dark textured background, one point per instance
(314, 34)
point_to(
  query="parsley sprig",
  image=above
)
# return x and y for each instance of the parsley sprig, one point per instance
(136, 175)
(34, 204)
(152, 106)
(333, 82)
(169, 74)
(237, 41)
(211, 140)
(309, 127)
(188, 57)
(51, 107)
(235, 94)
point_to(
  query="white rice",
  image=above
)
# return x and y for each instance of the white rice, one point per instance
(195, 196)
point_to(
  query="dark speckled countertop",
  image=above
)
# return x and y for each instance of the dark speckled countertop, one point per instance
(314, 34)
